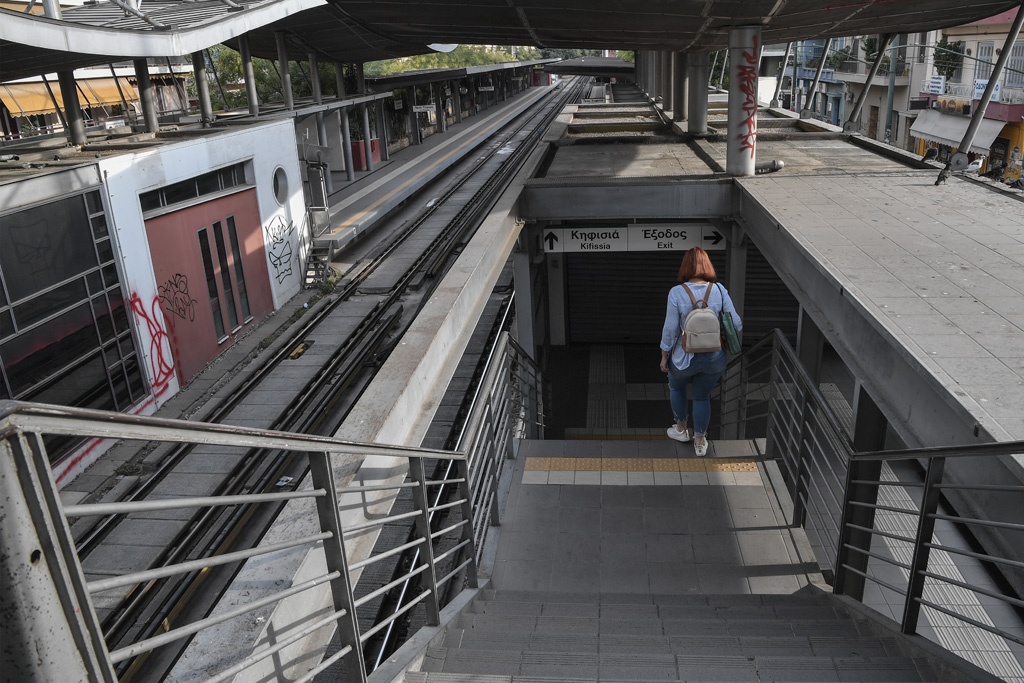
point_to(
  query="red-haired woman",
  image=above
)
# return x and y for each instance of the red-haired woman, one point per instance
(701, 369)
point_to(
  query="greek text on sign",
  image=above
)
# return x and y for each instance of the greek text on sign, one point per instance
(652, 237)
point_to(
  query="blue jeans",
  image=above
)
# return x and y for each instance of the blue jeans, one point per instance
(704, 371)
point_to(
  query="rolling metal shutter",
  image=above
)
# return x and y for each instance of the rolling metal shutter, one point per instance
(619, 298)
(769, 303)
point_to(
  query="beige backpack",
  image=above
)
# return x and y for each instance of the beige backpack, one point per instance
(702, 331)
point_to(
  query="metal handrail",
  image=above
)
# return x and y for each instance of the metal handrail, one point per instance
(33, 511)
(835, 492)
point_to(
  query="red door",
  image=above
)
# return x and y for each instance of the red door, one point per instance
(211, 273)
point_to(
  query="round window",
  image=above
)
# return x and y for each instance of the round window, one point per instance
(280, 185)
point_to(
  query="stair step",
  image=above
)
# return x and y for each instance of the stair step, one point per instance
(713, 600)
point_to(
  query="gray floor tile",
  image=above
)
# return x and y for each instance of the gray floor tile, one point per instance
(575, 576)
(580, 520)
(621, 520)
(663, 497)
(622, 548)
(524, 575)
(709, 521)
(576, 547)
(627, 576)
(705, 497)
(673, 577)
(755, 519)
(722, 578)
(763, 547)
(535, 519)
(526, 546)
(716, 549)
(581, 497)
(816, 669)
(616, 496)
(669, 548)
(666, 521)
(734, 669)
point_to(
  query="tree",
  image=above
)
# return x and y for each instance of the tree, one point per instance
(627, 55)
(949, 57)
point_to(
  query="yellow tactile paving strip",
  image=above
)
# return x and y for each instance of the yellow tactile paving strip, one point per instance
(641, 465)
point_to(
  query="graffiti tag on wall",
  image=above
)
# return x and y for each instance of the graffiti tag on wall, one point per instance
(174, 294)
(279, 247)
(747, 70)
(161, 368)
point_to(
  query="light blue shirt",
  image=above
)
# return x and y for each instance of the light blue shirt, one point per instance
(679, 306)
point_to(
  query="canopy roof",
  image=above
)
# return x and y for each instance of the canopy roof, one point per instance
(365, 30)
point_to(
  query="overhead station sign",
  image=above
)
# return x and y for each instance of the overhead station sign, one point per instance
(638, 237)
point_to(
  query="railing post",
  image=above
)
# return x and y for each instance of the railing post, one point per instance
(422, 501)
(802, 455)
(465, 492)
(869, 428)
(773, 381)
(741, 431)
(925, 528)
(327, 508)
(50, 629)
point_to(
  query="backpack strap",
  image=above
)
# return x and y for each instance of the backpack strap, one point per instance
(692, 299)
(704, 301)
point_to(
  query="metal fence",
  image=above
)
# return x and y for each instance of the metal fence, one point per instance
(50, 628)
(883, 517)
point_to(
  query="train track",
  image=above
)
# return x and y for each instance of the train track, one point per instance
(319, 407)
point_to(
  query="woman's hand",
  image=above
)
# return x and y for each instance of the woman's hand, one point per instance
(664, 362)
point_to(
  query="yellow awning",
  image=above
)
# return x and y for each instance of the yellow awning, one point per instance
(27, 99)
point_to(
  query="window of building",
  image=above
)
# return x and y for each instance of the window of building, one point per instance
(225, 276)
(1015, 67)
(211, 285)
(983, 65)
(236, 255)
(64, 333)
(192, 189)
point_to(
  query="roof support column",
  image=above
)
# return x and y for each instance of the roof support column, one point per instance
(146, 95)
(852, 125)
(286, 76)
(202, 88)
(744, 57)
(339, 78)
(810, 102)
(72, 108)
(248, 75)
(697, 96)
(346, 142)
(959, 161)
(667, 80)
(782, 74)
(382, 130)
(412, 119)
(360, 78)
(321, 125)
(679, 85)
(457, 99)
(364, 112)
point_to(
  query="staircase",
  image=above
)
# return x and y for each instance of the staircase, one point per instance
(318, 267)
(520, 636)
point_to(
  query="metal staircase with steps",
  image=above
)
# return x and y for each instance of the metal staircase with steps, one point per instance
(318, 266)
(509, 636)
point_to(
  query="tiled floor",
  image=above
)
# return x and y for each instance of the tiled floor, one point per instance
(707, 535)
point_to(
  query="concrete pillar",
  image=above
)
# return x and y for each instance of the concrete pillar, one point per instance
(697, 93)
(248, 75)
(382, 130)
(679, 84)
(457, 100)
(360, 78)
(321, 125)
(146, 95)
(282, 65)
(474, 106)
(521, 273)
(364, 112)
(339, 78)
(809, 344)
(346, 141)
(72, 108)
(202, 88)
(557, 310)
(412, 118)
(666, 80)
(741, 138)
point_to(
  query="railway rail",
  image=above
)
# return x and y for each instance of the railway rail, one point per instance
(388, 298)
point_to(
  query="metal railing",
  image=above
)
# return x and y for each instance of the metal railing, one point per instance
(873, 516)
(49, 596)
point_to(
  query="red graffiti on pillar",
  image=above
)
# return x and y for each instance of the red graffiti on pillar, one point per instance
(748, 86)
(159, 343)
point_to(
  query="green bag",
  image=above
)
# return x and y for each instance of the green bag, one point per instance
(730, 338)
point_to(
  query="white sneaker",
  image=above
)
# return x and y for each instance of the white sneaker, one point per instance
(674, 433)
(701, 449)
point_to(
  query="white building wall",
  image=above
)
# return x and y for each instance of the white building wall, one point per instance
(286, 236)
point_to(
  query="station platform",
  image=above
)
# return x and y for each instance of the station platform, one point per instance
(357, 205)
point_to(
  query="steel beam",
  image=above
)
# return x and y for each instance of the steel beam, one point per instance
(650, 198)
